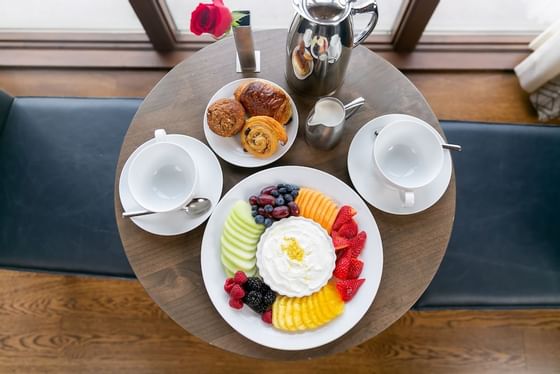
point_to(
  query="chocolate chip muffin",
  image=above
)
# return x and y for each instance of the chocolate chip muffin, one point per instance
(226, 117)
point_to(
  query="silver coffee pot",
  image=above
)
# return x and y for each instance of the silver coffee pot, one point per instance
(320, 42)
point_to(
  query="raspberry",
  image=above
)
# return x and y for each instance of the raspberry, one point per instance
(236, 292)
(235, 303)
(228, 285)
(240, 278)
(267, 316)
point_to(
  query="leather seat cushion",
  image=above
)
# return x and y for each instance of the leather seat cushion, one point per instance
(58, 159)
(505, 246)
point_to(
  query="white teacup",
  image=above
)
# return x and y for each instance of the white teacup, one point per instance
(408, 155)
(163, 176)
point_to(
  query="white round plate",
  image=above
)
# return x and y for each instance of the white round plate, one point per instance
(210, 182)
(229, 148)
(247, 322)
(373, 189)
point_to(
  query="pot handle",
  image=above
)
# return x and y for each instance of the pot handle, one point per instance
(369, 8)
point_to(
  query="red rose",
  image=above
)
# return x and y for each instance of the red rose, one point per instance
(212, 18)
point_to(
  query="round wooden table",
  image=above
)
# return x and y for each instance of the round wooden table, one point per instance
(169, 267)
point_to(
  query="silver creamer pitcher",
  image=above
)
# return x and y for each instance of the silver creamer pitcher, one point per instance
(320, 42)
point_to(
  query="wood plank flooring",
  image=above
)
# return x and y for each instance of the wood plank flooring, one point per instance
(53, 323)
(65, 324)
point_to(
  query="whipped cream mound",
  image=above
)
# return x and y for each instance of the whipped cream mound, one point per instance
(295, 257)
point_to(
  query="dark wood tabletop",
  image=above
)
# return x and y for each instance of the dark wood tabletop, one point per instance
(169, 267)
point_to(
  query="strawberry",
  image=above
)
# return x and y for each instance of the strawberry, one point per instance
(342, 267)
(236, 292)
(348, 288)
(240, 278)
(344, 215)
(355, 268)
(236, 303)
(228, 285)
(356, 244)
(349, 229)
(338, 241)
(267, 316)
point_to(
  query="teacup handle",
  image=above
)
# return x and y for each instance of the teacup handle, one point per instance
(160, 135)
(407, 198)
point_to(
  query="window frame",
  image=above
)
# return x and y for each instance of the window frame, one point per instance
(162, 46)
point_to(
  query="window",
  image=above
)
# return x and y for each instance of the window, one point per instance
(494, 17)
(277, 14)
(113, 16)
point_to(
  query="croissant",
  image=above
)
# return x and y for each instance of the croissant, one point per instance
(260, 136)
(261, 98)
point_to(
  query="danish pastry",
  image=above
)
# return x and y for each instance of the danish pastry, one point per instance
(260, 136)
(226, 117)
(261, 98)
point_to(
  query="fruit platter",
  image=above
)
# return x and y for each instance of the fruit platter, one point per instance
(291, 258)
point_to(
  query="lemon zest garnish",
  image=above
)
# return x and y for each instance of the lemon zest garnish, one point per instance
(292, 249)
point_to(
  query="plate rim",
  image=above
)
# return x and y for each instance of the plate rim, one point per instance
(264, 161)
(375, 235)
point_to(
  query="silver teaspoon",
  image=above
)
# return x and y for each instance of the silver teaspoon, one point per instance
(196, 206)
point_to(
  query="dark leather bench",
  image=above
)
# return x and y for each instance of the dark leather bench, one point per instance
(57, 167)
(58, 159)
(505, 246)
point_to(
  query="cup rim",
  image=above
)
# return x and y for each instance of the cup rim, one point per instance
(134, 162)
(438, 169)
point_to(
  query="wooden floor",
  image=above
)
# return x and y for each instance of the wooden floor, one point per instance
(64, 324)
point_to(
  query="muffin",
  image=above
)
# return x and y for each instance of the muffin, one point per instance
(226, 117)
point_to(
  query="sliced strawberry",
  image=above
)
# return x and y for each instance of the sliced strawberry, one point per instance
(344, 215)
(348, 288)
(356, 244)
(355, 268)
(339, 242)
(342, 267)
(349, 229)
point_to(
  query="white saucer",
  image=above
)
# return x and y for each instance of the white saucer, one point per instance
(373, 189)
(230, 149)
(210, 183)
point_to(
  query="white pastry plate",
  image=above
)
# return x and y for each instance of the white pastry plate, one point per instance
(230, 149)
(247, 322)
(371, 187)
(210, 180)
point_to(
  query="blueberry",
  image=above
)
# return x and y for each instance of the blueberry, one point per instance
(259, 219)
(294, 187)
(274, 193)
(283, 190)
(268, 208)
(280, 201)
(288, 198)
(254, 207)
(294, 193)
(282, 185)
(254, 213)
(267, 222)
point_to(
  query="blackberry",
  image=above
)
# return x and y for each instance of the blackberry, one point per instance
(254, 284)
(254, 300)
(268, 298)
